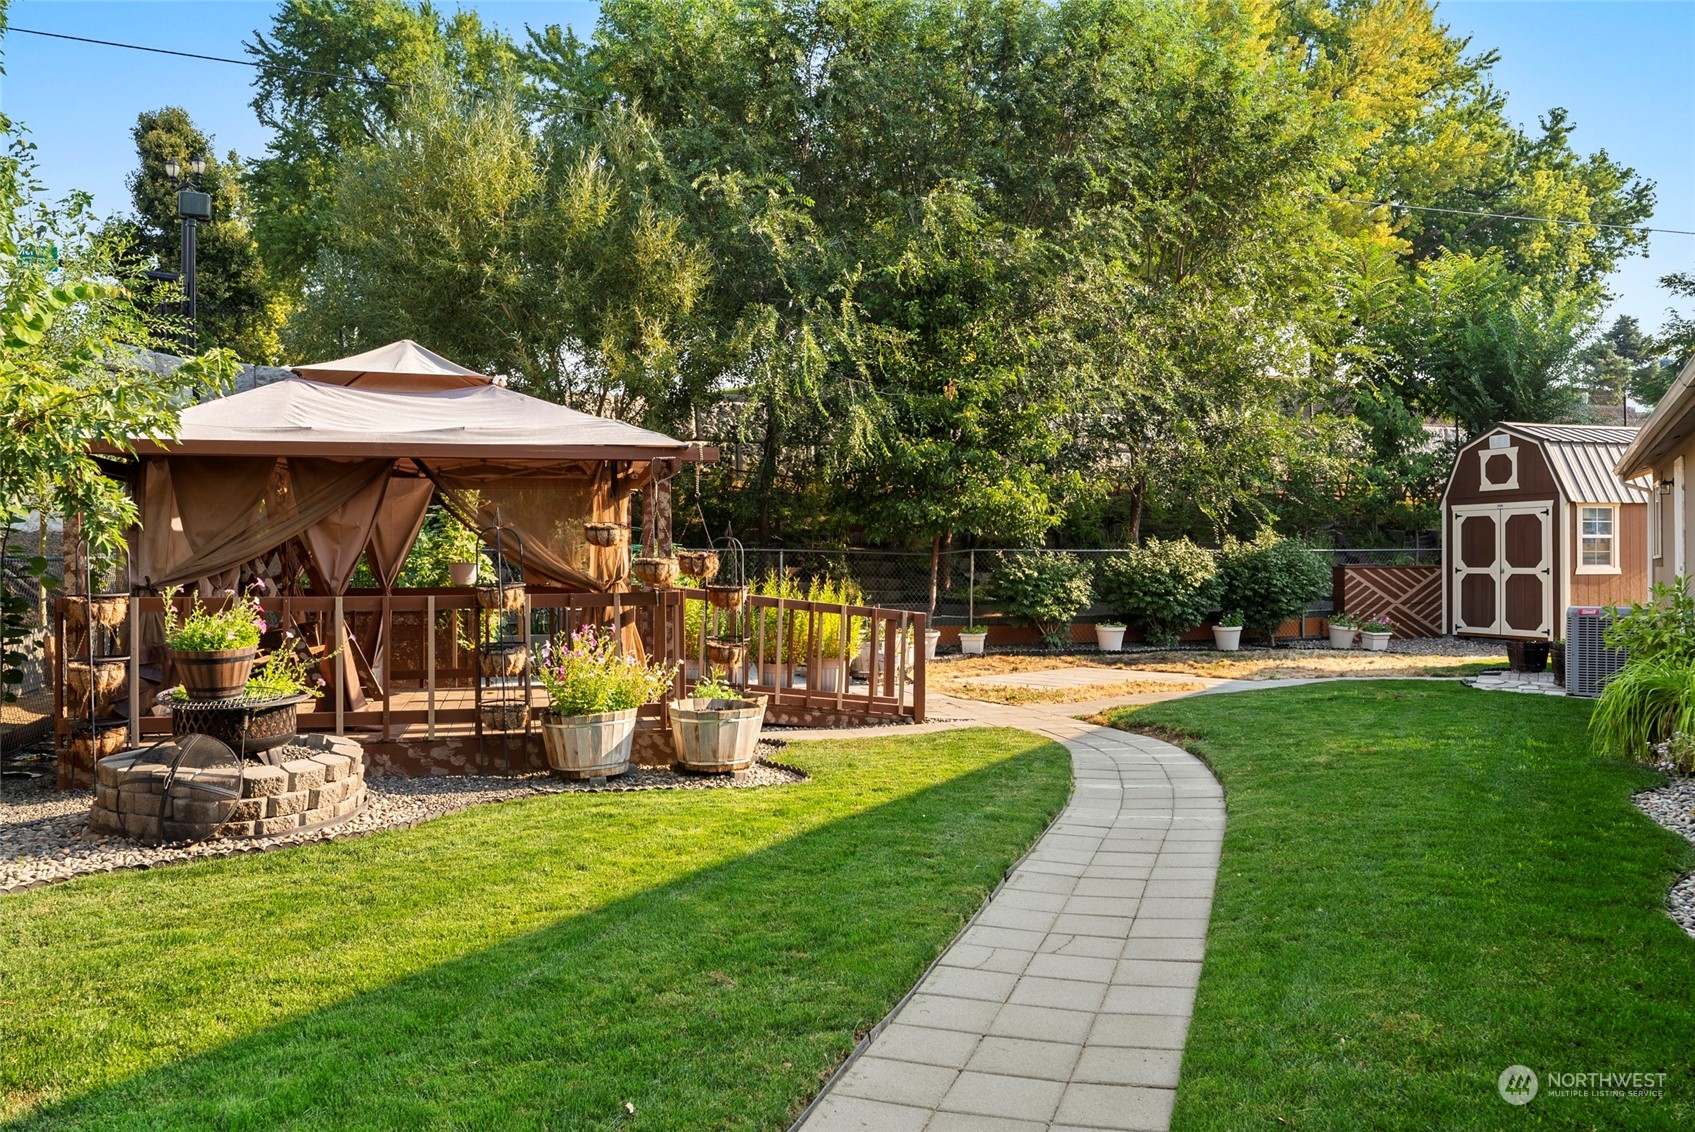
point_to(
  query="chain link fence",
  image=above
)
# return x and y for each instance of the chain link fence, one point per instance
(898, 579)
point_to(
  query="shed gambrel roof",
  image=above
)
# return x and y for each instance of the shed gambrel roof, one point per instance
(1582, 458)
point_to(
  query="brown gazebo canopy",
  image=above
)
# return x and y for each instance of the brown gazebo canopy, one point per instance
(343, 459)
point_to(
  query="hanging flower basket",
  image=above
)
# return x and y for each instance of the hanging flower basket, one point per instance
(727, 597)
(106, 678)
(505, 716)
(726, 651)
(701, 565)
(505, 598)
(716, 736)
(657, 573)
(589, 746)
(108, 611)
(505, 659)
(604, 534)
(107, 739)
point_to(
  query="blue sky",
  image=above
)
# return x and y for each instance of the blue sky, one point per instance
(1624, 68)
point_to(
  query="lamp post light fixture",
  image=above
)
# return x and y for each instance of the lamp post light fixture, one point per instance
(193, 207)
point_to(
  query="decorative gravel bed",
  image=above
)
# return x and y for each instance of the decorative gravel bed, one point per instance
(1673, 806)
(44, 835)
(1411, 646)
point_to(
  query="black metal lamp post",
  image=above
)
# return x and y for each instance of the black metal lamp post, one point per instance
(193, 206)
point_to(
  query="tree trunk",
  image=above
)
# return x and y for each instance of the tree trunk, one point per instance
(1138, 501)
(935, 571)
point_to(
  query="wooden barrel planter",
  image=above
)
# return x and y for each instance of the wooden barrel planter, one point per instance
(589, 746)
(218, 674)
(656, 573)
(701, 565)
(508, 659)
(105, 679)
(505, 598)
(716, 736)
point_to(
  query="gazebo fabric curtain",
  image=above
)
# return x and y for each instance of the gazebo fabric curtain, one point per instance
(542, 515)
(204, 517)
(398, 522)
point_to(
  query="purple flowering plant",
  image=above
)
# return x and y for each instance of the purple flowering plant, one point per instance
(237, 624)
(588, 673)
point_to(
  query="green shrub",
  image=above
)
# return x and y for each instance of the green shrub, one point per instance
(1645, 708)
(1271, 580)
(1044, 591)
(1161, 588)
(1662, 628)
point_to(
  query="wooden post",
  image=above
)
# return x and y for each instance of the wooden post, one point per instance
(430, 661)
(134, 670)
(340, 669)
(388, 650)
(843, 675)
(920, 652)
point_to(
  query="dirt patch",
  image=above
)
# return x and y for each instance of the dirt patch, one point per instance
(1083, 693)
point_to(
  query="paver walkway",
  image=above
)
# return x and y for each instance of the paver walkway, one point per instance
(1065, 1003)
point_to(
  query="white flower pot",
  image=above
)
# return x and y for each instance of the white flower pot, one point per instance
(589, 746)
(971, 644)
(462, 573)
(829, 676)
(932, 638)
(1110, 640)
(1227, 638)
(1375, 642)
(1342, 636)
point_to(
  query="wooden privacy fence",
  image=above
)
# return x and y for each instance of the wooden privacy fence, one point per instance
(1409, 597)
(802, 655)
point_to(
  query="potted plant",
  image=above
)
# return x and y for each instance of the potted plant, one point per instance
(1161, 588)
(1227, 634)
(716, 730)
(1343, 631)
(1042, 591)
(213, 651)
(973, 639)
(1376, 632)
(1109, 635)
(593, 691)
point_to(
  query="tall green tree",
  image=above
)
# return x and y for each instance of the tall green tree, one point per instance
(236, 306)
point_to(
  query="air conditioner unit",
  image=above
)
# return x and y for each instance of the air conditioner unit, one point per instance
(1589, 662)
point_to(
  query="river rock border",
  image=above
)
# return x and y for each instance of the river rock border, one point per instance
(325, 785)
(1673, 806)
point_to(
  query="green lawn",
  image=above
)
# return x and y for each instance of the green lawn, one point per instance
(1422, 885)
(703, 958)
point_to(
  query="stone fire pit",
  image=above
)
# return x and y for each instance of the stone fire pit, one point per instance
(311, 782)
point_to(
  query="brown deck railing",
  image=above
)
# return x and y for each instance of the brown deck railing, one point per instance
(801, 654)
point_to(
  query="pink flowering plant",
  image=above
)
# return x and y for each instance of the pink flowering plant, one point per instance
(235, 625)
(587, 674)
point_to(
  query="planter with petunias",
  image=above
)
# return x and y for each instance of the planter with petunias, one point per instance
(594, 691)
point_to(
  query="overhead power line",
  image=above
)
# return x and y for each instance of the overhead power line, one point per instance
(368, 81)
(1509, 216)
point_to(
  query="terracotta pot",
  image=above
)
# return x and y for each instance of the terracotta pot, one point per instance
(462, 573)
(589, 746)
(604, 534)
(215, 675)
(716, 736)
(505, 598)
(701, 565)
(657, 573)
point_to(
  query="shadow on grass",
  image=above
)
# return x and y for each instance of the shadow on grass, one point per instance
(717, 1000)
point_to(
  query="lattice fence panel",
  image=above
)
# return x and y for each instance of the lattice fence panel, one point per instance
(1408, 596)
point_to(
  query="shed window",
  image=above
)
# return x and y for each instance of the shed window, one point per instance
(1597, 533)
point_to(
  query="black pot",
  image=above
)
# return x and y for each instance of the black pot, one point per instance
(1558, 653)
(1527, 656)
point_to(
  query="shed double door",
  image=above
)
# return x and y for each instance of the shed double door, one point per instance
(1502, 570)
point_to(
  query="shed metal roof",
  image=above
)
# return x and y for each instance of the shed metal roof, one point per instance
(1582, 458)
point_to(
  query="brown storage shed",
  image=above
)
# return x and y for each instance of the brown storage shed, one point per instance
(1534, 520)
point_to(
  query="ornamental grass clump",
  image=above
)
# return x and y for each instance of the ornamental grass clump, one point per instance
(1161, 588)
(588, 674)
(237, 625)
